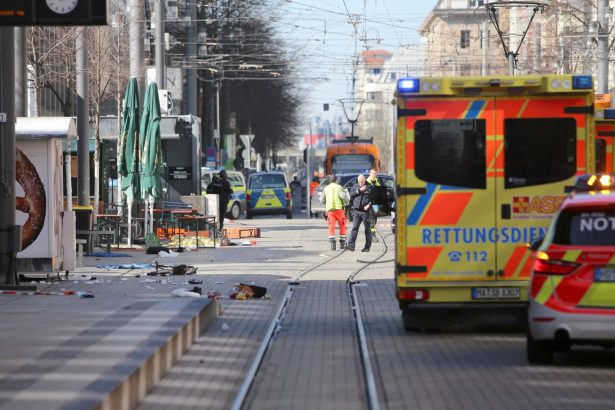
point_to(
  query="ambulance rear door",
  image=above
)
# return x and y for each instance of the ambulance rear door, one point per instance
(540, 146)
(605, 134)
(445, 200)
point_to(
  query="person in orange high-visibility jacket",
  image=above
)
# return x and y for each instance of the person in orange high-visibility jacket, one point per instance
(315, 182)
(334, 206)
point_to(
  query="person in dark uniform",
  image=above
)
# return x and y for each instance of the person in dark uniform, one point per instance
(221, 186)
(360, 203)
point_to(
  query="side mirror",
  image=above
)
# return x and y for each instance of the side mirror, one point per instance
(535, 244)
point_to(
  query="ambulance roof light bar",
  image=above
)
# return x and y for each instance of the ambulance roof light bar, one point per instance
(594, 182)
(582, 82)
(408, 85)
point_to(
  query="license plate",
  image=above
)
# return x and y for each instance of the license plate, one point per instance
(604, 274)
(268, 196)
(496, 293)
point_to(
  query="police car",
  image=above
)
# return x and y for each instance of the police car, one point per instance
(268, 193)
(572, 288)
(237, 204)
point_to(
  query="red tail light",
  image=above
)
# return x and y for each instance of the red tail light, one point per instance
(247, 197)
(412, 294)
(543, 264)
(287, 195)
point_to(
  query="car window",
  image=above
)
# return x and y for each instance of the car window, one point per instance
(539, 151)
(586, 228)
(267, 181)
(388, 182)
(235, 181)
(451, 152)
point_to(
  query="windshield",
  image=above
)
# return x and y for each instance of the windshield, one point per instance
(267, 181)
(352, 163)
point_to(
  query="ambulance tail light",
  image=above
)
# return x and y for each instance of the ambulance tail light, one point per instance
(547, 266)
(582, 82)
(408, 85)
(413, 294)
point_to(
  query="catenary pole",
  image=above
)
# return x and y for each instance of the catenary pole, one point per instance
(10, 240)
(603, 47)
(83, 112)
(160, 58)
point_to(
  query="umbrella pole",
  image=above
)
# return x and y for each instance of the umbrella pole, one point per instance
(145, 223)
(151, 215)
(129, 205)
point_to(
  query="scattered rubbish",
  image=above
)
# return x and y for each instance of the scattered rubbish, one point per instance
(219, 283)
(85, 294)
(154, 250)
(150, 287)
(196, 289)
(182, 293)
(184, 270)
(127, 266)
(242, 292)
(169, 254)
(247, 243)
(83, 277)
(361, 284)
(195, 281)
(225, 327)
(123, 278)
(108, 255)
(214, 294)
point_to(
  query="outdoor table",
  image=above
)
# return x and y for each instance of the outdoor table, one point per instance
(210, 223)
(168, 216)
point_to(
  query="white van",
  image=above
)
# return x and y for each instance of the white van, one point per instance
(237, 203)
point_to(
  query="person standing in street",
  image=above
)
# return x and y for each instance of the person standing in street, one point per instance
(334, 206)
(221, 186)
(360, 203)
(374, 182)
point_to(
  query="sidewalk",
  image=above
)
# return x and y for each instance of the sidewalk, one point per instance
(60, 352)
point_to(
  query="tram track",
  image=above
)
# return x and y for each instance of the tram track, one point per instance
(278, 317)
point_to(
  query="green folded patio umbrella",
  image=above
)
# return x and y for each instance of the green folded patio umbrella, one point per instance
(151, 151)
(128, 153)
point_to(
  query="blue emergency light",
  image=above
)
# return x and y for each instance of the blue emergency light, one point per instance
(609, 113)
(408, 85)
(582, 82)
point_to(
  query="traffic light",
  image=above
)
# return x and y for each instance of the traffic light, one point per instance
(305, 155)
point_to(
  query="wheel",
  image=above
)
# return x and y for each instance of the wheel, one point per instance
(289, 215)
(235, 211)
(409, 325)
(248, 215)
(539, 351)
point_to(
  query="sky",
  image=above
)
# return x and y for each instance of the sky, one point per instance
(325, 36)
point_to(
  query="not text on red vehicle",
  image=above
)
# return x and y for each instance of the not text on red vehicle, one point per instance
(572, 287)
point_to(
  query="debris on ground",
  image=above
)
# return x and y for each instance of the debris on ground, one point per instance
(183, 293)
(108, 255)
(164, 270)
(127, 266)
(225, 327)
(242, 291)
(214, 294)
(169, 254)
(85, 294)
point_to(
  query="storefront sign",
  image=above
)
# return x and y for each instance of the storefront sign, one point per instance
(179, 173)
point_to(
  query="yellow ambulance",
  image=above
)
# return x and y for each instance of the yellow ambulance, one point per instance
(605, 133)
(482, 164)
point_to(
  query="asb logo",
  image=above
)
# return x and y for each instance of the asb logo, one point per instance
(537, 204)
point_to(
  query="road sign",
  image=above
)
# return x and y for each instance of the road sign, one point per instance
(246, 139)
(53, 12)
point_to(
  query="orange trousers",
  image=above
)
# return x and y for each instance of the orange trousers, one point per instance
(336, 216)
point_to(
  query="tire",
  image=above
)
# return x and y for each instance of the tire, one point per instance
(539, 351)
(235, 211)
(248, 215)
(289, 215)
(409, 325)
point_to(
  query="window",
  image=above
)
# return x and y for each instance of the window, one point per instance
(351, 163)
(267, 181)
(376, 71)
(600, 155)
(539, 151)
(465, 38)
(589, 228)
(451, 152)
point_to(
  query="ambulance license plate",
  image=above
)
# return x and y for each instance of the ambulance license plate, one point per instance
(606, 274)
(496, 293)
